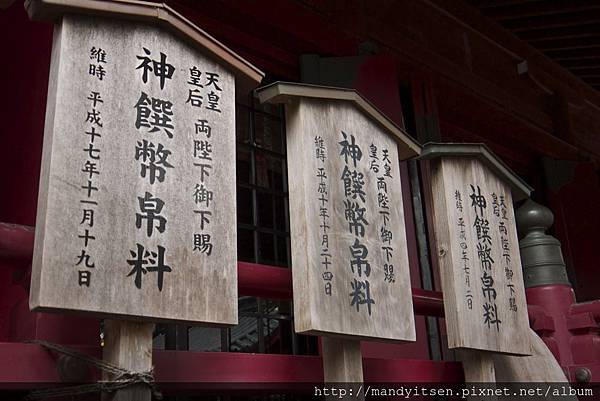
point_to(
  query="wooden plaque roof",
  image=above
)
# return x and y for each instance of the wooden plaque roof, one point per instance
(520, 189)
(154, 13)
(282, 92)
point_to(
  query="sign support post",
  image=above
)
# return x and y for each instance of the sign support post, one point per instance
(342, 363)
(342, 360)
(479, 368)
(128, 345)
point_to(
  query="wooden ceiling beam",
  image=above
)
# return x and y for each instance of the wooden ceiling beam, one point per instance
(586, 70)
(552, 21)
(573, 54)
(267, 30)
(496, 3)
(551, 74)
(539, 8)
(580, 62)
(265, 18)
(567, 32)
(594, 82)
(565, 44)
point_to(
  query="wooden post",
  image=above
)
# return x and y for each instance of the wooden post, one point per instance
(129, 346)
(479, 368)
(342, 363)
(342, 360)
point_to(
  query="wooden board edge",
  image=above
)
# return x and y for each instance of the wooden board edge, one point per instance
(35, 295)
(125, 316)
(157, 13)
(391, 340)
(283, 92)
(300, 274)
(528, 351)
(519, 188)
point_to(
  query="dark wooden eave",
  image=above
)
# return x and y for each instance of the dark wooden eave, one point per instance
(566, 31)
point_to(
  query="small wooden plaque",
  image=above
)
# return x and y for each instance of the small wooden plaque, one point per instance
(478, 250)
(136, 213)
(349, 254)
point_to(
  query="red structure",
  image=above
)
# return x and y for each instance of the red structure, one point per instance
(446, 70)
(174, 368)
(570, 330)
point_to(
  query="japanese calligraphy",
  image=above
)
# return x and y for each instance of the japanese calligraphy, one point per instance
(501, 211)
(484, 249)
(155, 114)
(154, 158)
(355, 213)
(322, 196)
(463, 248)
(97, 62)
(90, 171)
(144, 261)
(138, 191)
(161, 69)
(204, 89)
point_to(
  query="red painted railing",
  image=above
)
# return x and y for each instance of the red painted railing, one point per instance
(16, 244)
(29, 366)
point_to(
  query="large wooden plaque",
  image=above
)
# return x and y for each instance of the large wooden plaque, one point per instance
(349, 255)
(478, 251)
(137, 212)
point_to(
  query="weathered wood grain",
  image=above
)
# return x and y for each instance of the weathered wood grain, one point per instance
(464, 297)
(342, 360)
(128, 345)
(316, 311)
(199, 288)
(479, 368)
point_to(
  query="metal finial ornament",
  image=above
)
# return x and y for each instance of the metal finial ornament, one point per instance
(541, 255)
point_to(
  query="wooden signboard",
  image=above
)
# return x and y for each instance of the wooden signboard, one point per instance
(476, 241)
(349, 255)
(137, 214)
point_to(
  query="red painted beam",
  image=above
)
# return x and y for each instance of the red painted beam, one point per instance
(592, 307)
(411, 371)
(16, 243)
(29, 366)
(275, 282)
(428, 303)
(179, 368)
(264, 281)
